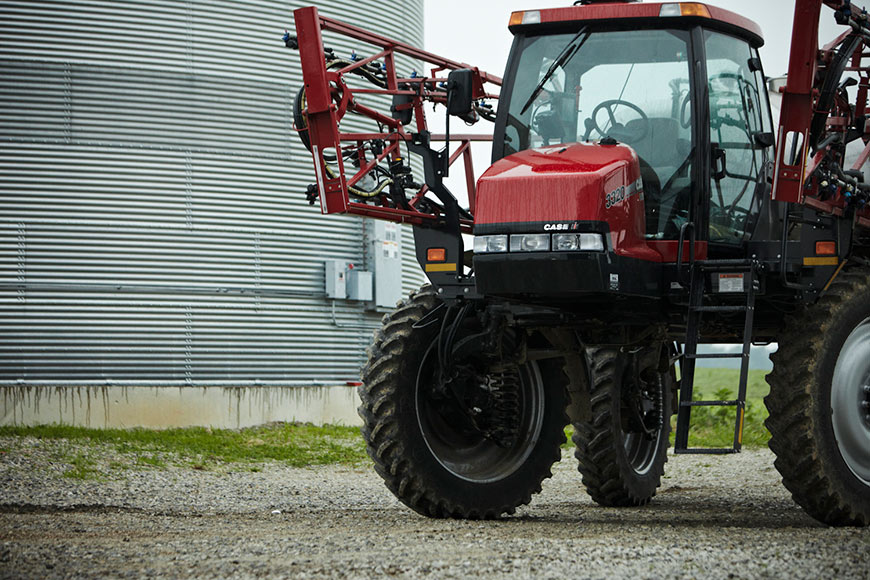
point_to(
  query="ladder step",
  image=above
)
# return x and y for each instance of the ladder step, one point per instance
(719, 308)
(716, 355)
(710, 403)
(703, 451)
(695, 308)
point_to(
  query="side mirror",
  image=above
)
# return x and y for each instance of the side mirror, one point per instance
(763, 139)
(460, 88)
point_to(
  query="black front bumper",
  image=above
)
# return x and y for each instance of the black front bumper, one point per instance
(565, 275)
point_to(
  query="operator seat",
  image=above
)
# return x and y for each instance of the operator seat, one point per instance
(661, 153)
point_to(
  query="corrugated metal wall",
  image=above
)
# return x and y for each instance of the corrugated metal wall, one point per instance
(153, 227)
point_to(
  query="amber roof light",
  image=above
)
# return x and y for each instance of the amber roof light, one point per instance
(684, 9)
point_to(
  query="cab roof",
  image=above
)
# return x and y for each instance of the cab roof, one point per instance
(637, 13)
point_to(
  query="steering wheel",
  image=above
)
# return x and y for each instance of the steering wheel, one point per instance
(617, 129)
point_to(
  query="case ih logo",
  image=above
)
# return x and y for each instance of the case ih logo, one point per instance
(560, 227)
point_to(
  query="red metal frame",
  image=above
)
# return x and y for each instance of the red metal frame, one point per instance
(329, 98)
(794, 182)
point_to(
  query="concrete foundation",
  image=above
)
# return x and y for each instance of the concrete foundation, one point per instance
(165, 407)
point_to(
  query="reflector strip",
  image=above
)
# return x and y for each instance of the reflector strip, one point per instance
(440, 267)
(318, 170)
(821, 261)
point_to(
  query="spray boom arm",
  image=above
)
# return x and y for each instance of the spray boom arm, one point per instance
(819, 118)
(345, 162)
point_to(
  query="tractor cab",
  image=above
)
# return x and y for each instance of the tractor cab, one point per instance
(645, 123)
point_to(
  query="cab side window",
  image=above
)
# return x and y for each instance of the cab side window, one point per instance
(738, 115)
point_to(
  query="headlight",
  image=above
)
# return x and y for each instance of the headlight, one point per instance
(539, 243)
(490, 244)
(530, 242)
(575, 242)
(565, 243)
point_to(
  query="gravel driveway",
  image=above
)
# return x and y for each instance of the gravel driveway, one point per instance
(713, 518)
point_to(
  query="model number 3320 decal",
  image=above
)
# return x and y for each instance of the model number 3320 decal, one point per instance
(622, 193)
(614, 197)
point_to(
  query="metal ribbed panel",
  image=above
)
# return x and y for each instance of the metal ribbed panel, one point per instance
(153, 228)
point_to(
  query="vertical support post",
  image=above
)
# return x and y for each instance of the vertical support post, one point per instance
(687, 364)
(471, 186)
(322, 120)
(797, 104)
(744, 360)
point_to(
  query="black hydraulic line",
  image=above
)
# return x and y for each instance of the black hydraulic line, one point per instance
(830, 86)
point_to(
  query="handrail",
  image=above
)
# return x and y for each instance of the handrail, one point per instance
(683, 230)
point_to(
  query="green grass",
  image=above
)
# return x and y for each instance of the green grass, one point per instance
(714, 426)
(297, 445)
(83, 467)
(302, 445)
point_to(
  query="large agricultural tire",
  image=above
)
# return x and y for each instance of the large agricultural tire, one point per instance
(818, 403)
(620, 466)
(424, 449)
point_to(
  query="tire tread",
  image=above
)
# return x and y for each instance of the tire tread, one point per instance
(794, 440)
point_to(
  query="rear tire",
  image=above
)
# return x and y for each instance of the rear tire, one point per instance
(819, 418)
(429, 453)
(620, 465)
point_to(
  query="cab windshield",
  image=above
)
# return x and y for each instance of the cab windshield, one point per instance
(632, 86)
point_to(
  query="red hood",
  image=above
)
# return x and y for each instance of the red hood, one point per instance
(583, 182)
(556, 183)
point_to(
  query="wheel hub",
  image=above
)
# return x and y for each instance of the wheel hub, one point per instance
(500, 414)
(644, 407)
(643, 420)
(483, 421)
(850, 402)
(865, 405)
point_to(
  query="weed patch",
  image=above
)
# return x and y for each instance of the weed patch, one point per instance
(83, 467)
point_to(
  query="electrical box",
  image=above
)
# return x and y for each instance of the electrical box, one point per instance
(359, 285)
(336, 279)
(385, 261)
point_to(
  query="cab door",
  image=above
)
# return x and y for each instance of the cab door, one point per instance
(740, 145)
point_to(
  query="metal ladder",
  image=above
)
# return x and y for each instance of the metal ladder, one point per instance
(699, 271)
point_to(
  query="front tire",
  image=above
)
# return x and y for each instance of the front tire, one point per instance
(622, 449)
(819, 397)
(446, 458)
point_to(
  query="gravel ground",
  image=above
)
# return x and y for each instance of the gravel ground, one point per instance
(713, 518)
